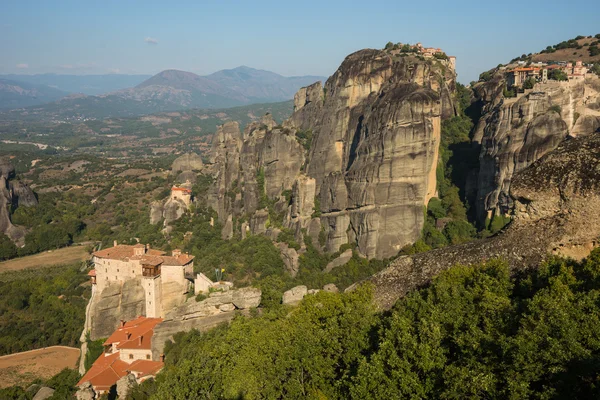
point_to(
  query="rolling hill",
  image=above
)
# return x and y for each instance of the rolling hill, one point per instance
(15, 94)
(174, 90)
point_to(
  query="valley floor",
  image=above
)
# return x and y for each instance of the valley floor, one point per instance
(66, 255)
(22, 368)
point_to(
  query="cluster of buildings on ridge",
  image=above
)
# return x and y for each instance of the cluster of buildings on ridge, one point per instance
(426, 52)
(127, 351)
(166, 279)
(539, 71)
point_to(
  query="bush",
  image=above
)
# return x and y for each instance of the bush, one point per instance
(529, 83)
(556, 108)
(557, 75)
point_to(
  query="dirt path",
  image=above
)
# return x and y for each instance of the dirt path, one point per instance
(67, 255)
(22, 368)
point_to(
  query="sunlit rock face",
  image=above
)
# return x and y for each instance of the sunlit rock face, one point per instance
(515, 132)
(356, 161)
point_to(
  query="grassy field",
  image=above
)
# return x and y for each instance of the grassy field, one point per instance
(67, 255)
(22, 368)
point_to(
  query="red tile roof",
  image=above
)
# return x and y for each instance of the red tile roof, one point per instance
(151, 257)
(135, 334)
(143, 368)
(105, 371)
(123, 251)
(109, 368)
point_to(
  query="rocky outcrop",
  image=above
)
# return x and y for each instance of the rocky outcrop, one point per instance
(86, 392)
(339, 261)
(125, 385)
(187, 162)
(116, 302)
(294, 295)
(515, 132)
(354, 163)
(13, 193)
(557, 211)
(44, 393)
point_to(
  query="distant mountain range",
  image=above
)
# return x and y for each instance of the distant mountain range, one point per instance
(22, 94)
(86, 84)
(169, 90)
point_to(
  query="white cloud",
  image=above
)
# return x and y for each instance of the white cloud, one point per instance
(22, 66)
(114, 71)
(151, 41)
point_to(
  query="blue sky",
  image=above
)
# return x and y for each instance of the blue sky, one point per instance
(290, 38)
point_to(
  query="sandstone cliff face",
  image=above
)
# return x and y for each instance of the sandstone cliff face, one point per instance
(515, 132)
(116, 302)
(370, 167)
(13, 193)
(557, 212)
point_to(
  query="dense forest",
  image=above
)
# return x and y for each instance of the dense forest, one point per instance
(42, 307)
(475, 332)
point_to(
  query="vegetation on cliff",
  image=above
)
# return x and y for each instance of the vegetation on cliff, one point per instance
(475, 332)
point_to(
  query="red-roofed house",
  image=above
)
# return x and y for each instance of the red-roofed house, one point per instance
(127, 350)
(165, 279)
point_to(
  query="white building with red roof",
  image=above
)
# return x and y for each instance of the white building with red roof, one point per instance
(165, 279)
(127, 351)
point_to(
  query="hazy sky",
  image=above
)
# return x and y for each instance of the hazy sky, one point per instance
(291, 38)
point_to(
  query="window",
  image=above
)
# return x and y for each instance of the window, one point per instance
(131, 356)
(149, 294)
(147, 356)
(117, 269)
(106, 270)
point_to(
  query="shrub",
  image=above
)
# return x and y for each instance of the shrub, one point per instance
(556, 108)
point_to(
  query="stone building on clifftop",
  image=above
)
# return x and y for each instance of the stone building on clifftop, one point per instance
(165, 279)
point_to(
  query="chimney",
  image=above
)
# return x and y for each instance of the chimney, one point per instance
(122, 323)
(140, 341)
(162, 358)
(176, 253)
(114, 243)
(147, 247)
(128, 335)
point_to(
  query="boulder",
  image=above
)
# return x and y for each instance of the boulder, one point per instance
(248, 297)
(188, 162)
(227, 307)
(125, 384)
(331, 288)
(341, 260)
(85, 392)
(290, 259)
(294, 295)
(44, 393)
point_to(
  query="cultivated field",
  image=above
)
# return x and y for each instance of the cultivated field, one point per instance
(22, 368)
(66, 255)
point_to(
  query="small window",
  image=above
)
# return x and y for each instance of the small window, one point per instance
(147, 356)
(117, 269)
(131, 356)
(149, 302)
(149, 294)
(106, 270)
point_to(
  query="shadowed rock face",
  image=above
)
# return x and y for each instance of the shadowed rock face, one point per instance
(13, 194)
(370, 167)
(557, 211)
(514, 133)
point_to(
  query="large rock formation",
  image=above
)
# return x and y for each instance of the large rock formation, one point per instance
(356, 161)
(13, 193)
(187, 162)
(515, 132)
(557, 211)
(118, 301)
